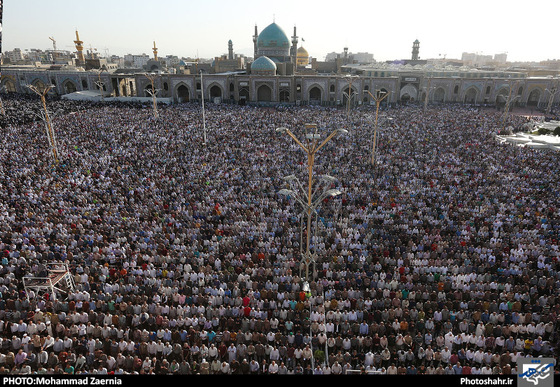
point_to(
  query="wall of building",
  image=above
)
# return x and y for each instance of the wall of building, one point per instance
(295, 89)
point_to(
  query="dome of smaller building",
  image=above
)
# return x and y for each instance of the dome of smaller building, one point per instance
(302, 57)
(302, 52)
(263, 63)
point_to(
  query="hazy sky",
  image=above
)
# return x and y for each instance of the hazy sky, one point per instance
(526, 30)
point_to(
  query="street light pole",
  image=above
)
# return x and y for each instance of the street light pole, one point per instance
(46, 119)
(307, 201)
(380, 96)
(553, 91)
(2, 103)
(508, 103)
(428, 89)
(203, 112)
(100, 84)
(153, 92)
(349, 95)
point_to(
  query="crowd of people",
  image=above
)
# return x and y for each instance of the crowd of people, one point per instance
(439, 257)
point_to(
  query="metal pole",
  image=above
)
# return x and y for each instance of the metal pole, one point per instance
(310, 162)
(2, 104)
(551, 99)
(427, 93)
(50, 132)
(508, 102)
(377, 103)
(311, 149)
(153, 92)
(349, 96)
(100, 85)
(203, 113)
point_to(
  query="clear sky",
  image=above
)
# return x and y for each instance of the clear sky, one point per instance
(525, 30)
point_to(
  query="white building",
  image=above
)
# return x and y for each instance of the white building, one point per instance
(15, 56)
(136, 61)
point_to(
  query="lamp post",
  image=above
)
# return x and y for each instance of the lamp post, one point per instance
(428, 90)
(508, 103)
(203, 112)
(2, 88)
(100, 84)
(553, 91)
(153, 92)
(349, 95)
(44, 115)
(310, 199)
(379, 97)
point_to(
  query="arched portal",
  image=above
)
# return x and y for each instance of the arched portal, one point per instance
(264, 94)
(284, 96)
(9, 86)
(439, 95)
(69, 87)
(315, 95)
(470, 96)
(215, 92)
(534, 97)
(183, 94)
(244, 95)
(409, 93)
(502, 96)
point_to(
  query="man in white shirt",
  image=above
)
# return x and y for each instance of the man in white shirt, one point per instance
(273, 368)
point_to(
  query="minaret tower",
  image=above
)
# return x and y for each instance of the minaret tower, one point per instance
(255, 37)
(293, 50)
(415, 50)
(80, 47)
(230, 50)
(155, 52)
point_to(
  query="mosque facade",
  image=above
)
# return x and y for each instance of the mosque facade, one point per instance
(278, 75)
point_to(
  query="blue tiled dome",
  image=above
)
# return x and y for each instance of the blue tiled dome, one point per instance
(263, 63)
(273, 36)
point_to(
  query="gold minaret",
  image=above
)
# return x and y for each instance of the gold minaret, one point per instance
(155, 51)
(80, 47)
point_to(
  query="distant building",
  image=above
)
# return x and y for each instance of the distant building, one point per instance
(136, 61)
(473, 59)
(349, 57)
(500, 58)
(229, 62)
(15, 56)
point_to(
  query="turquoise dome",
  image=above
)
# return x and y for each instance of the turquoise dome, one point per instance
(273, 36)
(263, 63)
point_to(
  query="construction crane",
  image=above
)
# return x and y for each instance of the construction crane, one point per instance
(53, 43)
(54, 48)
